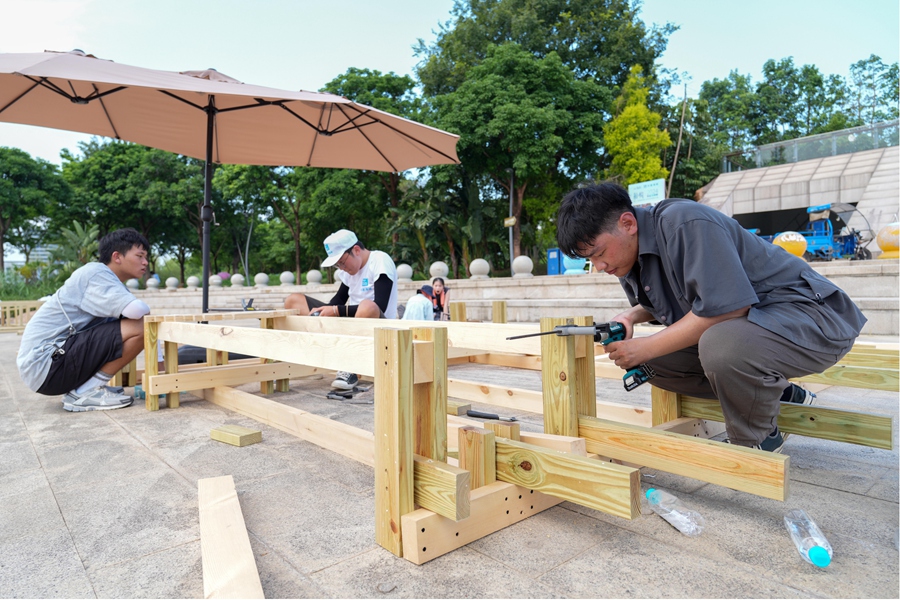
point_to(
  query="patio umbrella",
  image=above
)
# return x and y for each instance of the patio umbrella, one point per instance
(210, 116)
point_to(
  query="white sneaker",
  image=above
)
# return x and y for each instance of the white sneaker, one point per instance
(344, 380)
(98, 398)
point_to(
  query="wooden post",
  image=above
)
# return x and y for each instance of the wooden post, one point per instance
(498, 311)
(585, 372)
(151, 367)
(393, 435)
(458, 312)
(478, 455)
(559, 377)
(170, 356)
(266, 387)
(430, 399)
(666, 405)
(212, 357)
(504, 429)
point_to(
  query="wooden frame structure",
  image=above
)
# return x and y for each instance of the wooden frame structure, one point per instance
(14, 315)
(460, 502)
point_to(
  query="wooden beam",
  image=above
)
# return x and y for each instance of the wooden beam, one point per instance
(221, 316)
(458, 312)
(515, 361)
(430, 399)
(427, 535)
(694, 427)
(585, 377)
(236, 435)
(755, 471)
(229, 569)
(227, 376)
(151, 367)
(859, 428)
(666, 405)
(498, 311)
(266, 386)
(606, 487)
(394, 435)
(559, 377)
(457, 408)
(857, 377)
(441, 487)
(477, 454)
(504, 429)
(343, 352)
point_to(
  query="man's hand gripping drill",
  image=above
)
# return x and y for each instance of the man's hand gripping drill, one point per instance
(605, 333)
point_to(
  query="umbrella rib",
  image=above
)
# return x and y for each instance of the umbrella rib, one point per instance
(45, 82)
(188, 102)
(19, 97)
(106, 112)
(406, 135)
(377, 149)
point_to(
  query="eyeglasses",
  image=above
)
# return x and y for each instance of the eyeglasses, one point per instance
(340, 264)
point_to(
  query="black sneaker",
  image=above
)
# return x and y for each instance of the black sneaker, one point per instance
(801, 396)
(773, 442)
(344, 380)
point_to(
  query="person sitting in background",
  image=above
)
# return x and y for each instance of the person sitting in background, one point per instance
(440, 300)
(89, 329)
(368, 288)
(419, 307)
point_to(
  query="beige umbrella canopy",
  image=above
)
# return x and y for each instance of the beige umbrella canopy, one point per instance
(207, 115)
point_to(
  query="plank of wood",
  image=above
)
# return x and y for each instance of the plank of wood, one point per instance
(443, 488)
(754, 471)
(458, 312)
(227, 376)
(694, 427)
(558, 376)
(585, 376)
(852, 427)
(394, 433)
(477, 454)
(498, 311)
(603, 486)
(857, 377)
(875, 359)
(221, 316)
(515, 361)
(504, 429)
(229, 569)
(236, 435)
(343, 352)
(457, 408)
(430, 399)
(151, 367)
(560, 443)
(428, 535)
(666, 405)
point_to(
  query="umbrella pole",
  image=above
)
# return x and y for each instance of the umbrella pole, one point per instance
(206, 212)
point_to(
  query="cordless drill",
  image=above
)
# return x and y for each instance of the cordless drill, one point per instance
(605, 333)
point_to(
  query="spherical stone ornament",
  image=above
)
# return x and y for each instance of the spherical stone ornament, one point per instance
(523, 266)
(153, 284)
(314, 277)
(479, 269)
(172, 283)
(792, 242)
(261, 280)
(237, 280)
(404, 272)
(888, 240)
(193, 282)
(133, 284)
(439, 269)
(215, 281)
(287, 278)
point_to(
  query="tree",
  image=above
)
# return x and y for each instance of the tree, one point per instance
(77, 247)
(633, 138)
(28, 187)
(525, 114)
(728, 103)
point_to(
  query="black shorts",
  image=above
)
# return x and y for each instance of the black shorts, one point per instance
(313, 303)
(85, 353)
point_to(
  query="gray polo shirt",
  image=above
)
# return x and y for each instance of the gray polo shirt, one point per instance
(694, 258)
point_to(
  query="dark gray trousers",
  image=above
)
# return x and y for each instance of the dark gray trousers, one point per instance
(745, 367)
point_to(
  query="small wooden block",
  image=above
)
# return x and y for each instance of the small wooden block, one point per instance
(457, 408)
(236, 435)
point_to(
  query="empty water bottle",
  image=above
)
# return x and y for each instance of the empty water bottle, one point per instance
(687, 521)
(809, 539)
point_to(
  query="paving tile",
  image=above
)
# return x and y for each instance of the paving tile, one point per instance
(17, 456)
(278, 577)
(29, 513)
(170, 573)
(43, 565)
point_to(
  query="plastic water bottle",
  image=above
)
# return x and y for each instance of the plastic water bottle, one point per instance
(687, 521)
(809, 539)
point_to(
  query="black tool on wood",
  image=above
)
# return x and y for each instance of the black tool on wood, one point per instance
(483, 415)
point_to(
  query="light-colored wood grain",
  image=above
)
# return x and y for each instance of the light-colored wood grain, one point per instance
(457, 408)
(603, 486)
(428, 535)
(498, 311)
(393, 434)
(441, 487)
(430, 399)
(754, 471)
(666, 405)
(266, 386)
(229, 569)
(236, 435)
(504, 429)
(585, 377)
(852, 427)
(868, 378)
(151, 367)
(221, 316)
(559, 375)
(458, 312)
(477, 454)
(230, 375)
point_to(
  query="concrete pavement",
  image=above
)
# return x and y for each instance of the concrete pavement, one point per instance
(104, 505)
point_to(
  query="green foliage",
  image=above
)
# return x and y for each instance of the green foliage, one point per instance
(76, 247)
(16, 286)
(633, 138)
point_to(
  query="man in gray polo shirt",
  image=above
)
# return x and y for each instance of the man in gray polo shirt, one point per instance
(742, 315)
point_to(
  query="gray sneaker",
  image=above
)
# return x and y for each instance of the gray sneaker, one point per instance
(96, 399)
(115, 389)
(344, 380)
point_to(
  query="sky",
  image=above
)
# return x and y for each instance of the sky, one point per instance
(302, 44)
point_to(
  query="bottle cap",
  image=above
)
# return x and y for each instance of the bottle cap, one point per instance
(819, 556)
(650, 491)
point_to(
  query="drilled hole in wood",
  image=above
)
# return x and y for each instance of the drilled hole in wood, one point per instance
(423, 530)
(424, 548)
(507, 512)
(457, 534)
(520, 496)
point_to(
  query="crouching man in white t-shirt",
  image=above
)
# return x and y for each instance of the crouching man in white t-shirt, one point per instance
(368, 288)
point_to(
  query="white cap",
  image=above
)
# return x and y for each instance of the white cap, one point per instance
(336, 244)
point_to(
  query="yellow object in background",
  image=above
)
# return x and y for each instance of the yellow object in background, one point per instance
(888, 240)
(792, 242)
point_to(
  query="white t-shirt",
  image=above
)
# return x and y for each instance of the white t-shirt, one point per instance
(362, 285)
